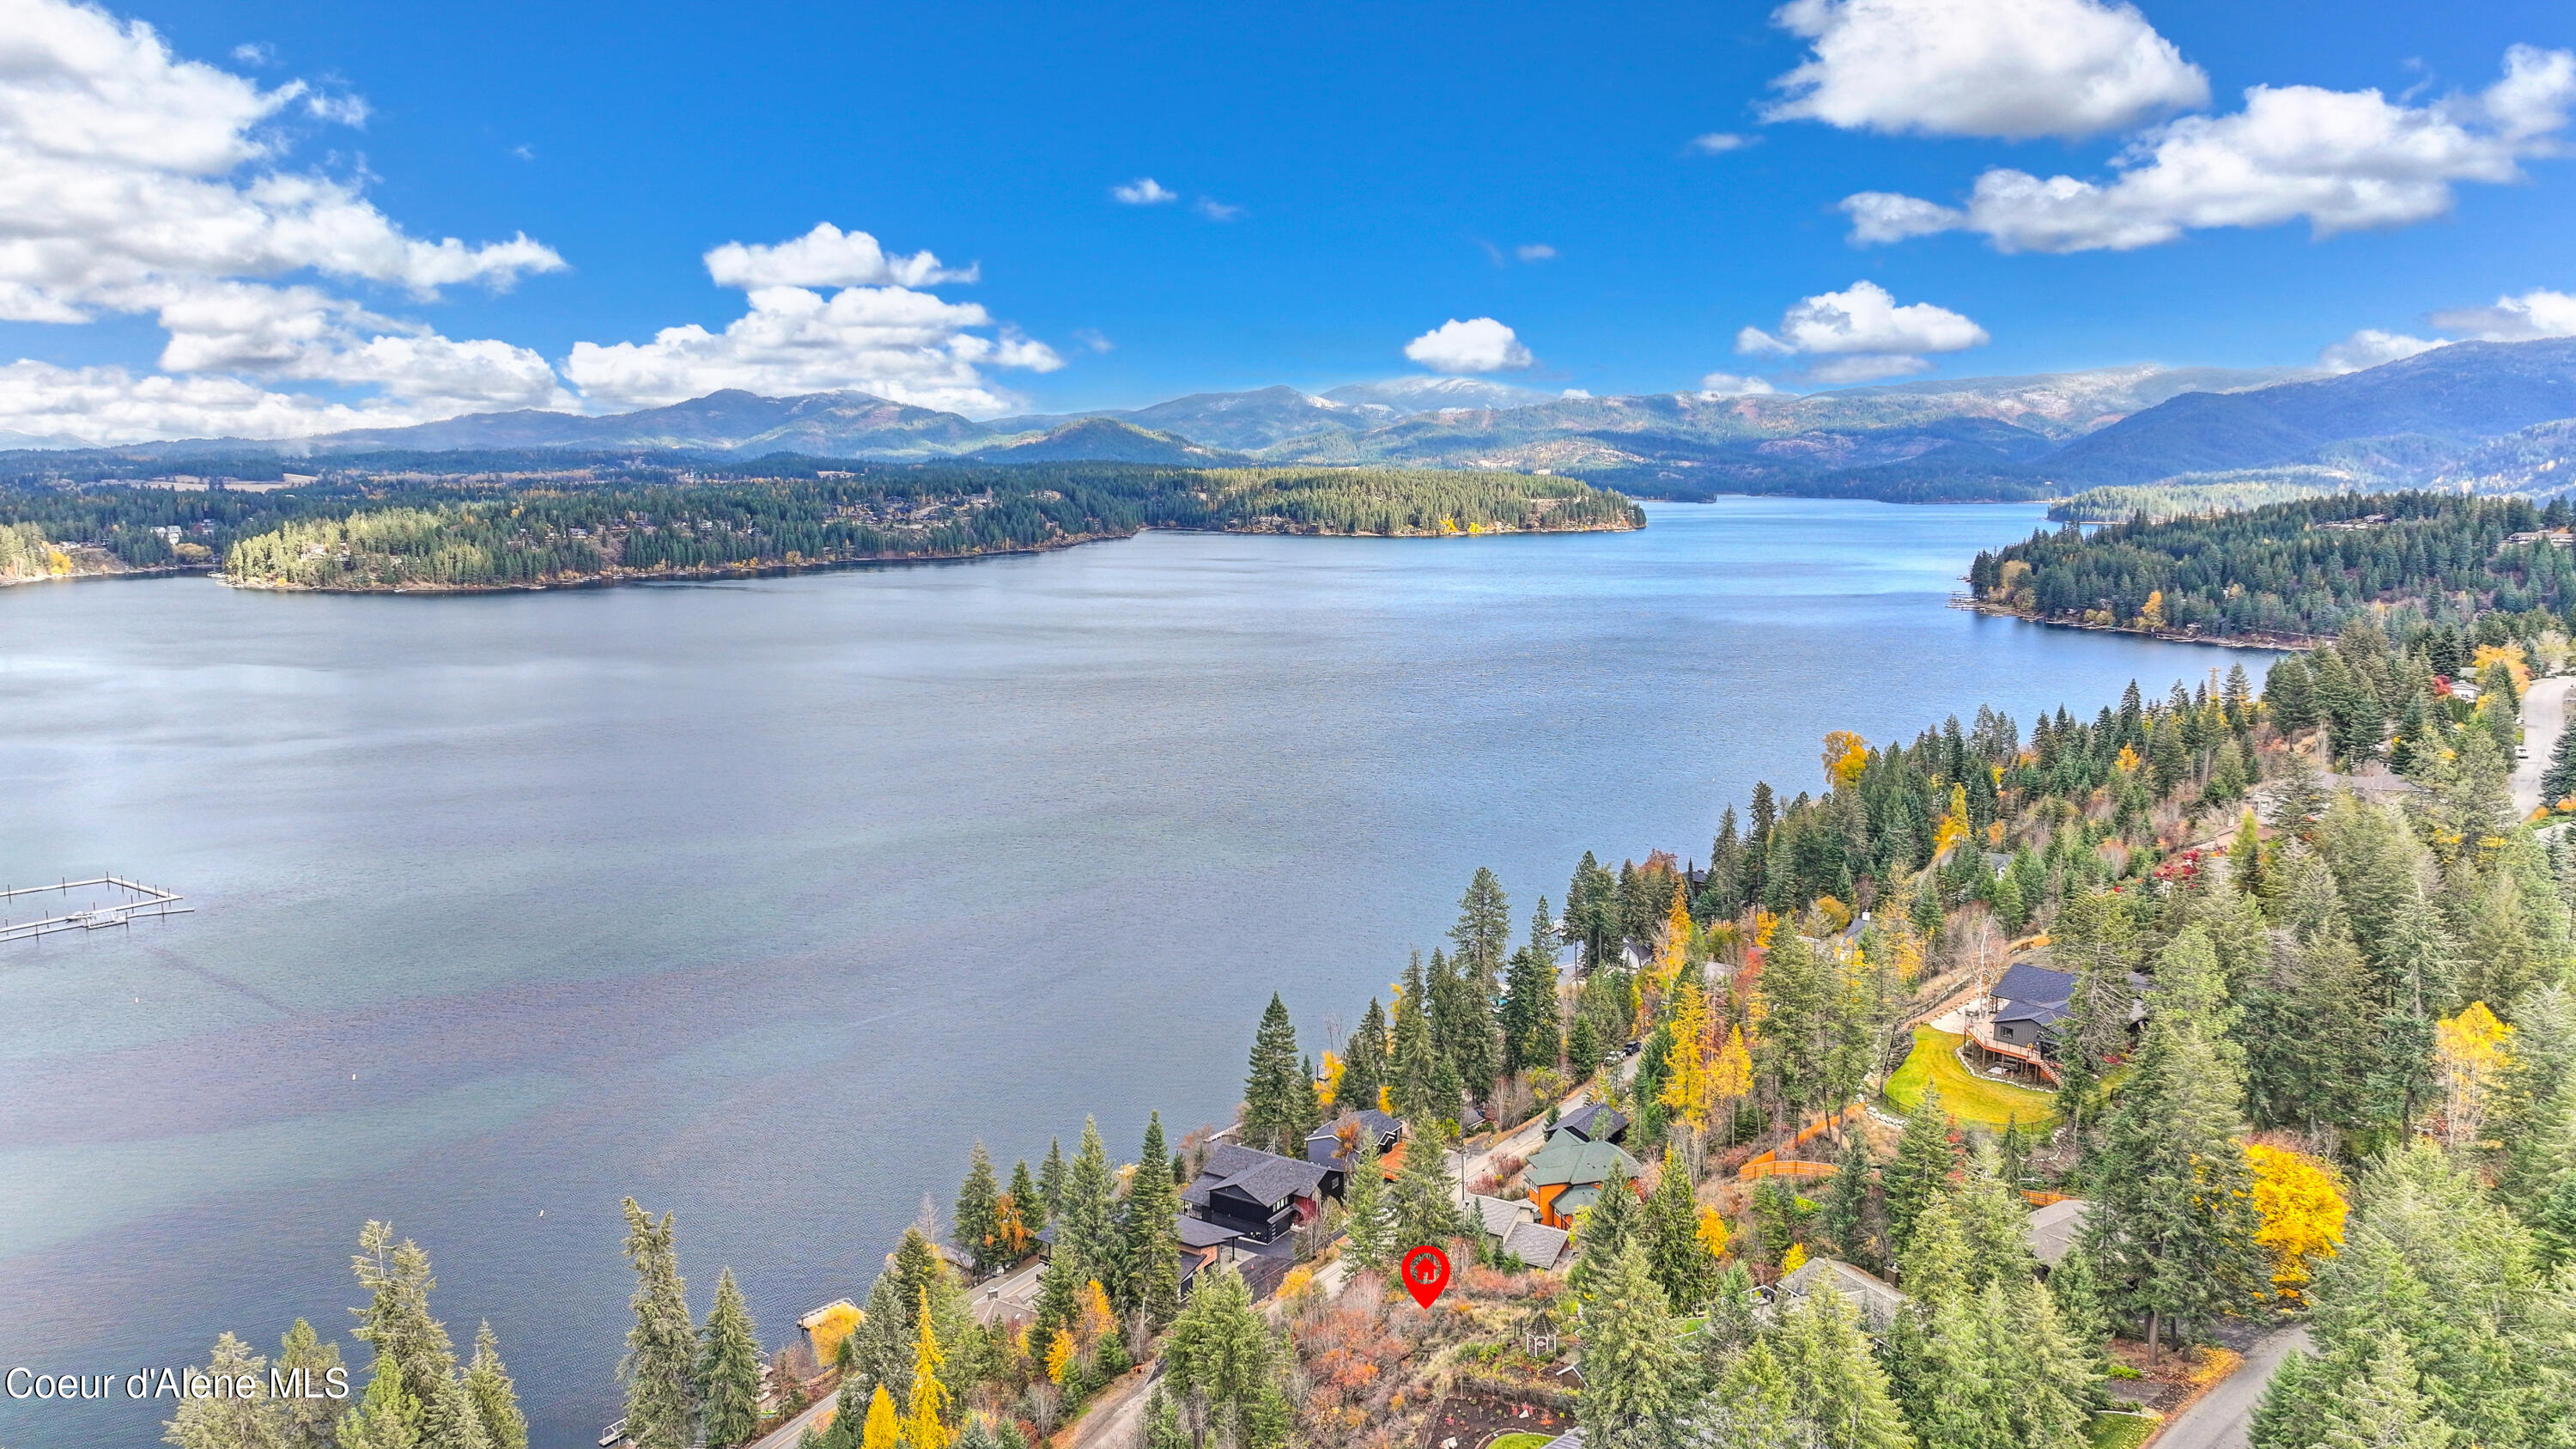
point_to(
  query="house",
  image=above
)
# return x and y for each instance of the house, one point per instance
(1498, 1216)
(2055, 1229)
(1876, 1299)
(1595, 1122)
(2028, 1003)
(1258, 1195)
(1568, 1173)
(1636, 955)
(1333, 1145)
(1536, 1244)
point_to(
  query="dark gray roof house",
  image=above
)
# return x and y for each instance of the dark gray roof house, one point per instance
(1327, 1148)
(1595, 1122)
(2029, 1003)
(1260, 1195)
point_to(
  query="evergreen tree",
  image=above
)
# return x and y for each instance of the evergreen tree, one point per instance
(386, 1417)
(2559, 781)
(1530, 1012)
(1368, 1221)
(487, 1383)
(728, 1368)
(2381, 1409)
(1632, 1372)
(1844, 1219)
(1425, 1202)
(660, 1368)
(1462, 1025)
(1483, 933)
(1051, 1180)
(2289, 695)
(1681, 1263)
(1834, 1379)
(2172, 1203)
(1278, 1098)
(1153, 1234)
(1415, 1068)
(1924, 1162)
(247, 1422)
(397, 1324)
(976, 1229)
(1027, 1197)
(307, 1423)
(1220, 1351)
(1086, 1248)
(1364, 1068)
(1794, 1048)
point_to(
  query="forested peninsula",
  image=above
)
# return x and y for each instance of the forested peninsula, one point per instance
(2294, 572)
(405, 529)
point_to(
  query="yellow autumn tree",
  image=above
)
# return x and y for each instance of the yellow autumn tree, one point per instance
(831, 1326)
(1846, 756)
(1059, 1356)
(1713, 1233)
(1096, 1321)
(1954, 823)
(1905, 953)
(2473, 1050)
(1794, 1259)
(1730, 1076)
(881, 1429)
(1328, 1092)
(2302, 1210)
(2153, 614)
(923, 1429)
(1687, 1079)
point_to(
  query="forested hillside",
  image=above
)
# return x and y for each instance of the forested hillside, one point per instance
(404, 528)
(2290, 570)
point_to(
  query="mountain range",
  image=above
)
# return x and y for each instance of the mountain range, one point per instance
(2493, 415)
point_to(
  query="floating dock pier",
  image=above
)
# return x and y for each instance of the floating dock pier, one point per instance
(148, 902)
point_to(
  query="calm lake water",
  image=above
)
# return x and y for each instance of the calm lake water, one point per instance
(761, 900)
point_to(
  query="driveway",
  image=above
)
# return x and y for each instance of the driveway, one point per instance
(2544, 714)
(2223, 1415)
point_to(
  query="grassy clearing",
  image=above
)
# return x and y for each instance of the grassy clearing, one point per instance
(2120, 1431)
(1520, 1441)
(1974, 1100)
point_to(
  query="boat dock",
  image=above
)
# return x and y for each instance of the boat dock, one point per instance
(145, 902)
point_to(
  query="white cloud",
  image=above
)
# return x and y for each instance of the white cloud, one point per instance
(1728, 384)
(1865, 367)
(1479, 344)
(1215, 210)
(1534, 252)
(1143, 191)
(1576, 394)
(891, 341)
(1095, 339)
(1718, 143)
(255, 52)
(2342, 160)
(826, 257)
(1863, 318)
(2370, 347)
(136, 182)
(2014, 69)
(2537, 313)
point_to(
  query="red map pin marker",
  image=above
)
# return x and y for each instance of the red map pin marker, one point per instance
(1426, 1273)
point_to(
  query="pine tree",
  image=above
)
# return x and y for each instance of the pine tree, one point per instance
(1364, 1069)
(1834, 1379)
(1632, 1372)
(496, 1398)
(2173, 1214)
(1278, 1099)
(1153, 1234)
(976, 1227)
(1220, 1350)
(2381, 1408)
(2559, 781)
(1924, 1163)
(1029, 1198)
(1051, 1180)
(1793, 1049)
(1414, 1066)
(307, 1423)
(1425, 1203)
(1483, 933)
(2245, 857)
(1529, 1013)
(1843, 1220)
(1085, 1248)
(1681, 1263)
(728, 1368)
(247, 1422)
(1462, 1023)
(1368, 1220)
(397, 1324)
(386, 1417)
(661, 1362)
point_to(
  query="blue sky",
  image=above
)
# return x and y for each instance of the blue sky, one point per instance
(1345, 179)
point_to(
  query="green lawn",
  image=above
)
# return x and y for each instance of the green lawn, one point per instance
(1520, 1441)
(2120, 1431)
(1978, 1101)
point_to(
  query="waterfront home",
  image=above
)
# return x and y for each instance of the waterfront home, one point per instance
(1257, 1195)
(1568, 1175)
(1334, 1145)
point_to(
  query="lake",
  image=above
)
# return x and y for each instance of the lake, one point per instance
(761, 900)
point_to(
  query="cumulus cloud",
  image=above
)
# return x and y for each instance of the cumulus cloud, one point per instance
(2370, 347)
(2014, 69)
(2341, 160)
(1479, 344)
(136, 182)
(1863, 317)
(826, 257)
(1143, 191)
(1728, 384)
(1718, 143)
(892, 340)
(1576, 394)
(2538, 313)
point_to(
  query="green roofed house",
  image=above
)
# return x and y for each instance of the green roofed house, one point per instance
(1567, 1176)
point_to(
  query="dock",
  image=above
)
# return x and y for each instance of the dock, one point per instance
(147, 902)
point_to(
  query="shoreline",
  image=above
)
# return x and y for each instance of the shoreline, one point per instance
(2277, 644)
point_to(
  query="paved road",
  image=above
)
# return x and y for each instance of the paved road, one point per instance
(2544, 714)
(2220, 1420)
(817, 1414)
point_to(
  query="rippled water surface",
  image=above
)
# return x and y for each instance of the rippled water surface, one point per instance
(760, 900)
